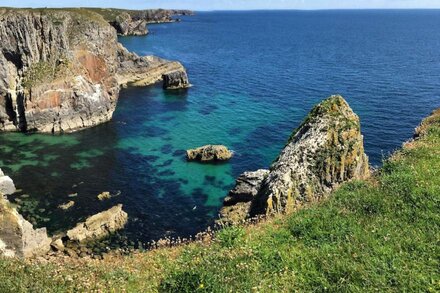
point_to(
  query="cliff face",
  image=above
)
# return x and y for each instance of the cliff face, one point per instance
(326, 150)
(60, 70)
(134, 22)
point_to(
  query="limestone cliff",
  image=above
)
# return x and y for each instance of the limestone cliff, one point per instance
(61, 69)
(326, 150)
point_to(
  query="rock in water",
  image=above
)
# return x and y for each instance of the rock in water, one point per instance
(209, 153)
(104, 196)
(99, 225)
(326, 150)
(6, 184)
(175, 80)
(237, 204)
(67, 205)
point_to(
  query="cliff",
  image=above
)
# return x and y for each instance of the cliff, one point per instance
(134, 22)
(374, 235)
(61, 69)
(325, 151)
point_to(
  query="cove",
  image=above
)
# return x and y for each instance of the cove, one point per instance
(254, 81)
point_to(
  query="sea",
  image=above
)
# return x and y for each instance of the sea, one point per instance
(255, 76)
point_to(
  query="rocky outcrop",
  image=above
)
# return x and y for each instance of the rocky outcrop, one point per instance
(6, 184)
(326, 150)
(176, 80)
(99, 225)
(18, 238)
(142, 71)
(61, 69)
(236, 205)
(209, 153)
(134, 22)
(125, 25)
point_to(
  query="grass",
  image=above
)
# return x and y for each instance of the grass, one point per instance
(376, 235)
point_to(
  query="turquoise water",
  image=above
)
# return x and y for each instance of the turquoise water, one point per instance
(255, 77)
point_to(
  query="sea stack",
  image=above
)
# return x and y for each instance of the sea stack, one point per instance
(176, 80)
(325, 150)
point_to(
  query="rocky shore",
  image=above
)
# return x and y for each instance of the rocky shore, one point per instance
(61, 69)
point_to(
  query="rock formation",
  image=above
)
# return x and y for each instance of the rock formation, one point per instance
(134, 22)
(209, 153)
(236, 205)
(326, 150)
(6, 184)
(61, 69)
(175, 80)
(99, 225)
(18, 238)
(125, 25)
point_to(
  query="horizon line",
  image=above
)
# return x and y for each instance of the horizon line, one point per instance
(228, 10)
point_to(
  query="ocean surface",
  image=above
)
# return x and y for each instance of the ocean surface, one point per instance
(255, 76)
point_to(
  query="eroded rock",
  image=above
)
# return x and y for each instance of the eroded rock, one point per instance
(209, 153)
(99, 225)
(326, 150)
(175, 80)
(6, 184)
(61, 70)
(18, 238)
(236, 205)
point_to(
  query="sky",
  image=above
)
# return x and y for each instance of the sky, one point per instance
(200, 5)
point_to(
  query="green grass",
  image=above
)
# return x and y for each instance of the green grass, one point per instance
(380, 235)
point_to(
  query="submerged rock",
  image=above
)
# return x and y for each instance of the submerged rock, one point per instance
(66, 205)
(209, 153)
(104, 195)
(99, 225)
(326, 150)
(175, 80)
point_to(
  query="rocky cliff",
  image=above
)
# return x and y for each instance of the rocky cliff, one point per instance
(134, 22)
(326, 150)
(61, 69)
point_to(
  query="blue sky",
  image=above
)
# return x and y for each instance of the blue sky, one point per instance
(229, 4)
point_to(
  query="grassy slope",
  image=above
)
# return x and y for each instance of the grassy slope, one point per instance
(380, 235)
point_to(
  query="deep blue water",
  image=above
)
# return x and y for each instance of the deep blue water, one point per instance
(255, 77)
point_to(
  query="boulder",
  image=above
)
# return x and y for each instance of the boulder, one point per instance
(246, 187)
(99, 225)
(6, 184)
(18, 238)
(209, 153)
(237, 204)
(177, 79)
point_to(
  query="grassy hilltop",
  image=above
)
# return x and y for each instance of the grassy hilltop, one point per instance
(377, 235)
